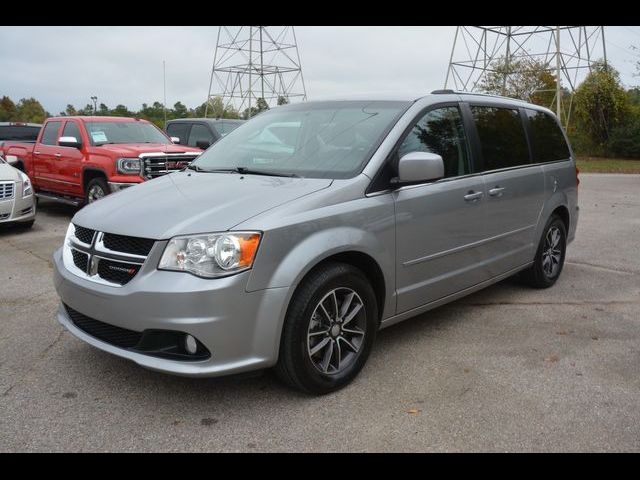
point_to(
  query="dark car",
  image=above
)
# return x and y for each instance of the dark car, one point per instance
(201, 132)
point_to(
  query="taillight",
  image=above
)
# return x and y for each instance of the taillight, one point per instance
(577, 176)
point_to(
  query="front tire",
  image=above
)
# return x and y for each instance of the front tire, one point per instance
(329, 330)
(549, 259)
(96, 189)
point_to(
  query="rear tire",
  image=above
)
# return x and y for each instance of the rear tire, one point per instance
(96, 189)
(329, 330)
(549, 259)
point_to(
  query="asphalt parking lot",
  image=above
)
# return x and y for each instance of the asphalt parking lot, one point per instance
(506, 369)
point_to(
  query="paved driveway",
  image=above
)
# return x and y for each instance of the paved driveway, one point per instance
(506, 369)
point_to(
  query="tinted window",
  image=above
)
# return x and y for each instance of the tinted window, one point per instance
(19, 133)
(440, 131)
(502, 137)
(200, 133)
(547, 141)
(180, 130)
(50, 134)
(71, 130)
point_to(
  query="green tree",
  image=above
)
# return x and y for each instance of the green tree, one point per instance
(180, 110)
(103, 110)
(283, 100)
(30, 110)
(525, 79)
(121, 111)
(8, 110)
(601, 105)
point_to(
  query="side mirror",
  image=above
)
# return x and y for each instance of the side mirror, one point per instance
(203, 144)
(175, 140)
(420, 167)
(71, 142)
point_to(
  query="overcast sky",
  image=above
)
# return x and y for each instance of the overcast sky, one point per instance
(61, 65)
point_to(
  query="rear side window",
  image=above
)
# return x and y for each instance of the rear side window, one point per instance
(72, 130)
(502, 137)
(440, 131)
(50, 134)
(180, 130)
(226, 127)
(547, 141)
(19, 133)
(199, 133)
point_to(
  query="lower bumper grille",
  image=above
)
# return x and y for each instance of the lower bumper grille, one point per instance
(120, 337)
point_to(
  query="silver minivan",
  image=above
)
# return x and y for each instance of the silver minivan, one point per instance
(293, 239)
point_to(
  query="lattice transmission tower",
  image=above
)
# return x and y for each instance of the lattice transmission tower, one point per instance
(255, 62)
(568, 52)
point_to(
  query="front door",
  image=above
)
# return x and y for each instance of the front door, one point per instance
(440, 226)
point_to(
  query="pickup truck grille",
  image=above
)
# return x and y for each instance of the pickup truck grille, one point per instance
(105, 257)
(157, 166)
(7, 190)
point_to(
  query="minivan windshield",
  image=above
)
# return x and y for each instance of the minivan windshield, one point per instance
(317, 140)
(103, 133)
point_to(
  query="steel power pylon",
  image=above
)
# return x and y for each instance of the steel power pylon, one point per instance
(256, 62)
(567, 51)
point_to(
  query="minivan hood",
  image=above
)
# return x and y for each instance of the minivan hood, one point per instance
(188, 202)
(135, 149)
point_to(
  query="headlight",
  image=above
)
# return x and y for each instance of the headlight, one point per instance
(130, 166)
(26, 185)
(211, 255)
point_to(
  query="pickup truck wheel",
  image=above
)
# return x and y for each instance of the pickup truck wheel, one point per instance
(329, 330)
(96, 189)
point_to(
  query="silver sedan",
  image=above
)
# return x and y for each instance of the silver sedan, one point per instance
(17, 201)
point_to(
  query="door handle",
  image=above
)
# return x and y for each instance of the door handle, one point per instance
(57, 155)
(496, 192)
(36, 153)
(473, 196)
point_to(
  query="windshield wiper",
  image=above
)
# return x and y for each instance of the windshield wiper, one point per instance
(243, 171)
(248, 171)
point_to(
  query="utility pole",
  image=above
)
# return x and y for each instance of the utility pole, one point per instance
(164, 90)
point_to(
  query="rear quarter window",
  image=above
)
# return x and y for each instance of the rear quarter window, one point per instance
(547, 140)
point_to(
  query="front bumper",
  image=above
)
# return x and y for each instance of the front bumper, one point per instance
(17, 209)
(240, 329)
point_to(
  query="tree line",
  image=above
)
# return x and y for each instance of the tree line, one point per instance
(604, 115)
(31, 110)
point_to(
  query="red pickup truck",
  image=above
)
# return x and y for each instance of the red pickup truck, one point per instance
(79, 160)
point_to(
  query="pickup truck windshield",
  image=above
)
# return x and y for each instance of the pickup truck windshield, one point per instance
(103, 133)
(316, 140)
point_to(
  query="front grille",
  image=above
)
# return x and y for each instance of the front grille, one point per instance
(7, 190)
(85, 235)
(159, 166)
(120, 337)
(132, 245)
(117, 272)
(80, 259)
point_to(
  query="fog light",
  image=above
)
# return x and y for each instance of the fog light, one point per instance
(190, 344)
